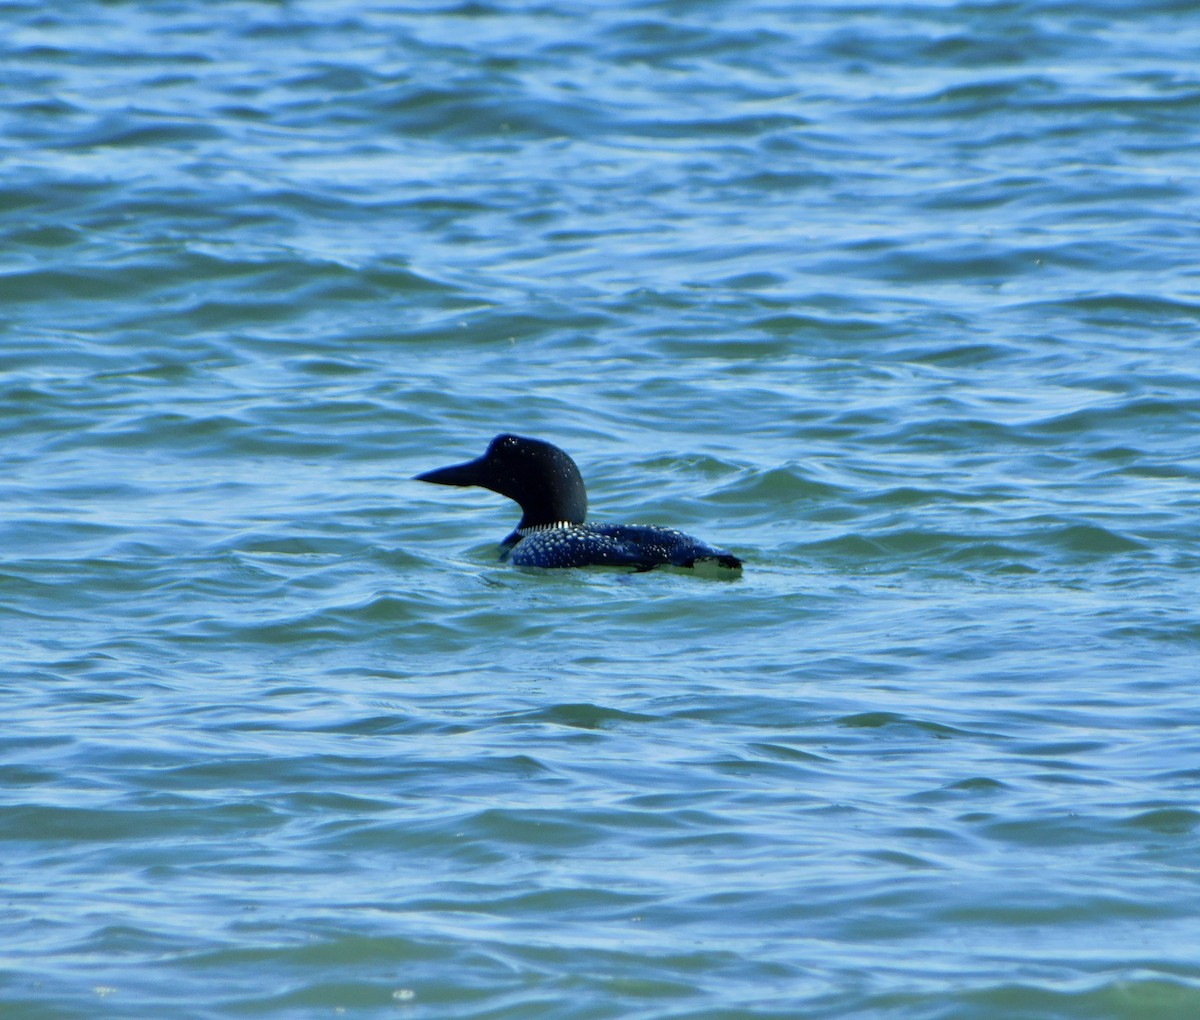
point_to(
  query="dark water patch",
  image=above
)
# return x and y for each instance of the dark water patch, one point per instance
(283, 630)
(36, 286)
(1168, 821)
(750, 126)
(1086, 539)
(921, 550)
(219, 316)
(920, 543)
(942, 434)
(278, 775)
(122, 132)
(755, 712)
(50, 236)
(1139, 993)
(1118, 309)
(60, 197)
(1182, 631)
(131, 940)
(759, 771)
(987, 193)
(985, 98)
(531, 828)
(1067, 751)
(214, 433)
(1013, 48)
(61, 824)
(849, 548)
(776, 488)
(1149, 111)
(334, 367)
(822, 327)
(402, 279)
(961, 789)
(166, 372)
(243, 112)
(880, 720)
(26, 776)
(37, 52)
(1076, 909)
(1142, 466)
(35, 410)
(1147, 412)
(784, 181)
(995, 557)
(326, 205)
(963, 355)
(31, 590)
(670, 43)
(74, 540)
(969, 262)
(733, 349)
(101, 56)
(785, 753)
(580, 716)
(1069, 829)
(393, 725)
(342, 947)
(899, 859)
(1064, 776)
(471, 113)
(905, 496)
(592, 904)
(476, 327)
(338, 79)
(176, 213)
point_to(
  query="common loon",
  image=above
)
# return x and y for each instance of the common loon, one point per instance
(552, 533)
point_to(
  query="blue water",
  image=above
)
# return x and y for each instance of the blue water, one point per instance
(899, 302)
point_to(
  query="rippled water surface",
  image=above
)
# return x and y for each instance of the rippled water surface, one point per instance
(900, 302)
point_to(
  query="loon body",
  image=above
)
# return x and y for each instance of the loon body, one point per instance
(552, 533)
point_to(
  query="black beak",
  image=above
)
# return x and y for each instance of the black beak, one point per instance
(473, 472)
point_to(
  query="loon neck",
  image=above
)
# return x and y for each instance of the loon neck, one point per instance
(524, 529)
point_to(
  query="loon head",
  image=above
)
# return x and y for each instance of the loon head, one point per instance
(539, 476)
